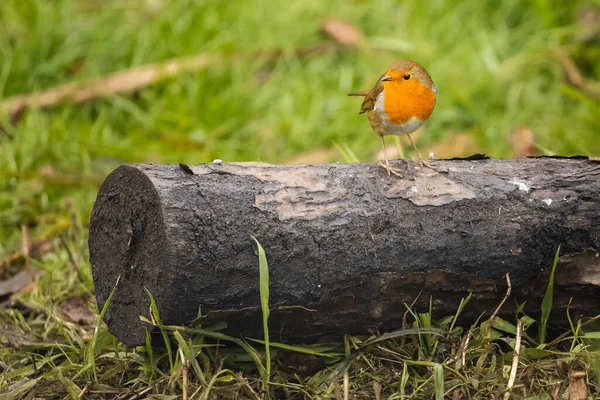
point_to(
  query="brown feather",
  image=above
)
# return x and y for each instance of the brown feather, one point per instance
(363, 93)
(368, 103)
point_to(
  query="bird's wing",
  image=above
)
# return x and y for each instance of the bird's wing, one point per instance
(370, 96)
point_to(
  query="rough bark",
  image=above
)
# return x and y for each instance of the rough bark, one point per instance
(347, 245)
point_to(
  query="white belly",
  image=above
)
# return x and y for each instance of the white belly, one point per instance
(395, 129)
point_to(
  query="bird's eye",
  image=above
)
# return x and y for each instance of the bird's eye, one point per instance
(406, 77)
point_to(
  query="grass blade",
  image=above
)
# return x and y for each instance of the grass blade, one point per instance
(187, 352)
(404, 380)
(351, 357)
(299, 349)
(218, 336)
(92, 349)
(405, 332)
(438, 381)
(215, 378)
(163, 332)
(547, 300)
(263, 270)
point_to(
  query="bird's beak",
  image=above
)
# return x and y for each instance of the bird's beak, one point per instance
(386, 78)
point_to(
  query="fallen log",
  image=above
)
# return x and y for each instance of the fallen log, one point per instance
(347, 245)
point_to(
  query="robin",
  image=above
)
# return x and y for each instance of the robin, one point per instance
(401, 101)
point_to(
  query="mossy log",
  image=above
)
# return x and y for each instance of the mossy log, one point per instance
(347, 245)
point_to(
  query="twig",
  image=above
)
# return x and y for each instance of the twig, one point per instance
(247, 385)
(515, 361)
(463, 349)
(346, 386)
(133, 79)
(64, 244)
(138, 395)
(84, 390)
(574, 76)
(408, 308)
(25, 251)
(122, 81)
(35, 250)
(184, 370)
(506, 296)
(567, 333)
(455, 318)
(377, 389)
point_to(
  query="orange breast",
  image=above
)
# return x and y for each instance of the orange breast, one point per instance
(404, 100)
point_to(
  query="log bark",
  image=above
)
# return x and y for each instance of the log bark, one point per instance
(347, 245)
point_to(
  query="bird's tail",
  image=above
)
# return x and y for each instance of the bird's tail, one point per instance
(364, 93)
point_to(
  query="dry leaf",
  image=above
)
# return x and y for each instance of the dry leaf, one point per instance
(14, 283)
(522, 142)
(377, 389)
(76, 309)
(342, 32)
(577, 386)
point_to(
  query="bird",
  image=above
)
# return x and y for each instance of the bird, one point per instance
(400, 102)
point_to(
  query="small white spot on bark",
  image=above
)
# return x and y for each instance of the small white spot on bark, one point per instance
(218, 161)
(412, 191)
(547, 201)
(520, 184)
(318, 286)
(431, 155)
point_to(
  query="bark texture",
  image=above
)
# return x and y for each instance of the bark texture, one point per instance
(347, 245)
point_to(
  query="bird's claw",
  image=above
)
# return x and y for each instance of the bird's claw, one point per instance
(389, 169)
(424, 163)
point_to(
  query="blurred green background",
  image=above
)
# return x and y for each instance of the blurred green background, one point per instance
(275, 87)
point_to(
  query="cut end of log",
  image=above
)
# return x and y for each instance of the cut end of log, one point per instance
(127, 239)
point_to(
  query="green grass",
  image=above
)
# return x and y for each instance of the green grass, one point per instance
(495, 69)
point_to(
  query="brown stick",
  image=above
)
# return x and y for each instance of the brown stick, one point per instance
(131, 79)
(515, 361)
(122, 81)
(574, 76)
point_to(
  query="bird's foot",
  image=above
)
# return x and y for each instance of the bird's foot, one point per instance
(424, 163)
(389, 169)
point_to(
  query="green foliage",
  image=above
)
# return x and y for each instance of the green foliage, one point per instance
(263, 269)
(99, 320)
(157, 322)
(494, 65)
(547, 300)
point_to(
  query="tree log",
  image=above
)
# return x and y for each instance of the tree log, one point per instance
(347, 245)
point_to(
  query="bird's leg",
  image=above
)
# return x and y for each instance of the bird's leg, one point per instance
(422, 162)
(389, 169)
